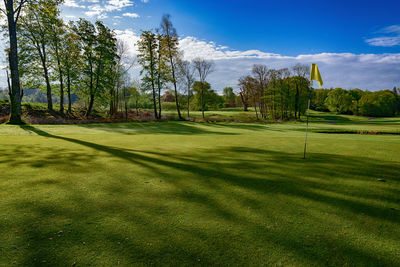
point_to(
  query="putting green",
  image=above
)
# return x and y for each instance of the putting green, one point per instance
(181, 193)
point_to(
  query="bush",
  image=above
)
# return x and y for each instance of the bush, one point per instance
(168, 106)
(378, 104)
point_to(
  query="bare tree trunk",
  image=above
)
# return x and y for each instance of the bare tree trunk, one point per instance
(245, 107)
(126, 110)
(255, 107)
(202, 99)
(61, 91)
(60, 79)
(15, 93)
(188, 102)
(159, 95)
(152, 81)
(91, 102)
(296, 102)
(43, 55)
(48, 87)
(69, 92)
(175, 87)
(91, 99)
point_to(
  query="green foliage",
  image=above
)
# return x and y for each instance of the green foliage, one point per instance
(378, 104)
(4, 95)
(100, 58)
(339, 101)
(212, 100)
(318, 100)
(168, 106)
(229, 97)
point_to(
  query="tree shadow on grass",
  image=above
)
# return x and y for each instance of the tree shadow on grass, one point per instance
(167, 127)
(223, 185)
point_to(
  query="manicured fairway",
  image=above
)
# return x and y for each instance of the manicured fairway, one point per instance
(181, 193)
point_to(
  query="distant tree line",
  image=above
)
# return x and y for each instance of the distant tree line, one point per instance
(276, 94)
(85, 59)
(357, 102)
(83, 63)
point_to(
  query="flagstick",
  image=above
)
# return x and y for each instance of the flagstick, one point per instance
(308, 114)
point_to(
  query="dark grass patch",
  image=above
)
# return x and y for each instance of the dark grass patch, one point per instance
(360, 132)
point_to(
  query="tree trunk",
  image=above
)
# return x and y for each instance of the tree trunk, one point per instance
(69, 92)
(61, 92)
(173, 77)
(202, 99)
(60, 72)
(175, 87)
(188, 102)
(159, 94)
(296, 102)
(245, 107)
(43, 56)
(255, 107)
(152, 80)
(48, 87)
(91, 102)
(15, 94)
(126, 110)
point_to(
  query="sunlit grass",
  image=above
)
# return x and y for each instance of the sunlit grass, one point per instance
(183, 193)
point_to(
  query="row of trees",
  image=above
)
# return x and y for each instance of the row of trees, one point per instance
(64, 57)
(85, 59)
(162, 65)
(276, 94)
(357, 102)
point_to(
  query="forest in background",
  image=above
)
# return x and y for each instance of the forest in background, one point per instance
(84, 64)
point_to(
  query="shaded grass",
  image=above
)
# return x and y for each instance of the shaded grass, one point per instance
(178, 193)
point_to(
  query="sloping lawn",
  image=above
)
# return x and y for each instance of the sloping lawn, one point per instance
(181, 193)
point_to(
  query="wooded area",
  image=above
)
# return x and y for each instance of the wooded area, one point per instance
(84, 64)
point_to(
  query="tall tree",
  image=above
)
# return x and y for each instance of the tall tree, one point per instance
(260, 73)
(35, 31)
(147, 58)
(203, 68)
(245, 86)
(301, 71)
(163, 70)
(56, 30)
(123, 64)
(71, 61)
(229, 96)
(100, 56)
(12, 11)
(339, 101)
(86, 32)
(186, 74)
(172, 42)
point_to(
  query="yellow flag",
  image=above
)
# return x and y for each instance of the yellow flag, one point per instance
(315, 75)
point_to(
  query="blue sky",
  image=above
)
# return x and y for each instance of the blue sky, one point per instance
(284, 27)
(356, 43)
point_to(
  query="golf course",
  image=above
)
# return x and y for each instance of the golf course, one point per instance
(180, 193)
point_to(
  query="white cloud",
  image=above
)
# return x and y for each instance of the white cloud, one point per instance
(386, 41)
(101, 9)
(73, 3)
(117, 5)
(131, 15)
(347, 70)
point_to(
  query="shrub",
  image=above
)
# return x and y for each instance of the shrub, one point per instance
(168, 106)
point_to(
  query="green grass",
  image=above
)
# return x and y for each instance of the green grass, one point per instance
(205, 194)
